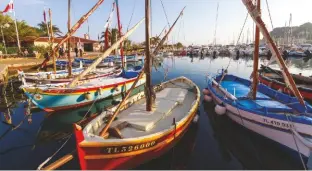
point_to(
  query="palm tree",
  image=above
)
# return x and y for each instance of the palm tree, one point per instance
(155, 41)
(42, 29)
(112, 35)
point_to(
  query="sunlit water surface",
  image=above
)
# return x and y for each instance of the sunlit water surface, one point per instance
(215, 143)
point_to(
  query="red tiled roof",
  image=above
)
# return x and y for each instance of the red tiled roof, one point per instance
(73, 39)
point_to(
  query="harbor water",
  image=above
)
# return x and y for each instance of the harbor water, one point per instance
(215, 142)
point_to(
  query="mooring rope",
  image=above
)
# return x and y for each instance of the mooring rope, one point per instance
(293, 135)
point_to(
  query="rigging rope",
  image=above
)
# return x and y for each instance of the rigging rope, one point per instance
(215, 31)
(165, 13)
(131, 15)
(269, 13)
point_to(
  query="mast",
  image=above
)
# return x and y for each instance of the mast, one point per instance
(255, 80)
(104, 55)
(215, 31)
(121, 104)
(68, 43)
(275, 52)
(52, 40)
(290, 29)
(119, 30)
(148, 63)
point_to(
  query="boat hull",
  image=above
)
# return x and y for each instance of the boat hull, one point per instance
(99, 156)
(275, 126)
(61, 99)
(258, 125)
(305, 92)
(66, 80)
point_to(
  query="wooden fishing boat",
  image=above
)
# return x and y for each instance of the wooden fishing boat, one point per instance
(62, 78)
(141, 135)
(53, 97)
(274, 79)
(148, 124)
(270, 113)
(266, 115)
(51, 74)
(87, 62)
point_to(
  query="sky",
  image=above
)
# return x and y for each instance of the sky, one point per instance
(197, 26)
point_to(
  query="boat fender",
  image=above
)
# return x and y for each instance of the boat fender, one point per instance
(100, 91)
(302, 139)
(195, 120)
(220, 109)
(88, 96)
(205, 91)
(207, 98)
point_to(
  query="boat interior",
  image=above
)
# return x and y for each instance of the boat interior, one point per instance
(135, 121)
(267, 100)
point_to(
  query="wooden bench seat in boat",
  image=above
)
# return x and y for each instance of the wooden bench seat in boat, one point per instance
(140, 122)
(139, 118)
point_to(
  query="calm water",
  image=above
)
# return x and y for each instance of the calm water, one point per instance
(214, 143)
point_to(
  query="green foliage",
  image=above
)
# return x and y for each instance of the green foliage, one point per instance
(12, 50)
(179, 45)
(26, 32)
(43, 31)
(112, 35)
(40, 49)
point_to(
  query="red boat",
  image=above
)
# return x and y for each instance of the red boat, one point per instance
(138, 136)
(274, 79)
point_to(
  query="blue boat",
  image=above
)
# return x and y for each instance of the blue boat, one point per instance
(272, 114)
(86, 62)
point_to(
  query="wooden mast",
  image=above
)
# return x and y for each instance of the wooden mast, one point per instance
(52, 41)
(148, 63)
(103, 132)
(255, 80)
(77, 25)
(68, 43)
(275, 52)
(120, 32)
(104, 55)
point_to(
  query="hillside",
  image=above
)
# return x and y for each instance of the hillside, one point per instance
(303, 31)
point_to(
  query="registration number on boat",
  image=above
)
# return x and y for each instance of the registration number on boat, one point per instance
(128, 148)
(277, 123)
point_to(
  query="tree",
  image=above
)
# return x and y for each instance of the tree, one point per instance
(112, 35)
(42, 29)
(154, 41)
(179, 45)
(25, 31)
(127, 44)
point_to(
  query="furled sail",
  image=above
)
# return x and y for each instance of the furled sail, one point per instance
(254, 13)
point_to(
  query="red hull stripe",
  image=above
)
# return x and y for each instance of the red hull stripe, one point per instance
(279, 86)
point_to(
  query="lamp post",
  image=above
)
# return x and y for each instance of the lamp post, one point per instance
(2, 27)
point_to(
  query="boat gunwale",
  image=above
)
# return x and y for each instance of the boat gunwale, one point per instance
(301, 119)
(106, 142)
